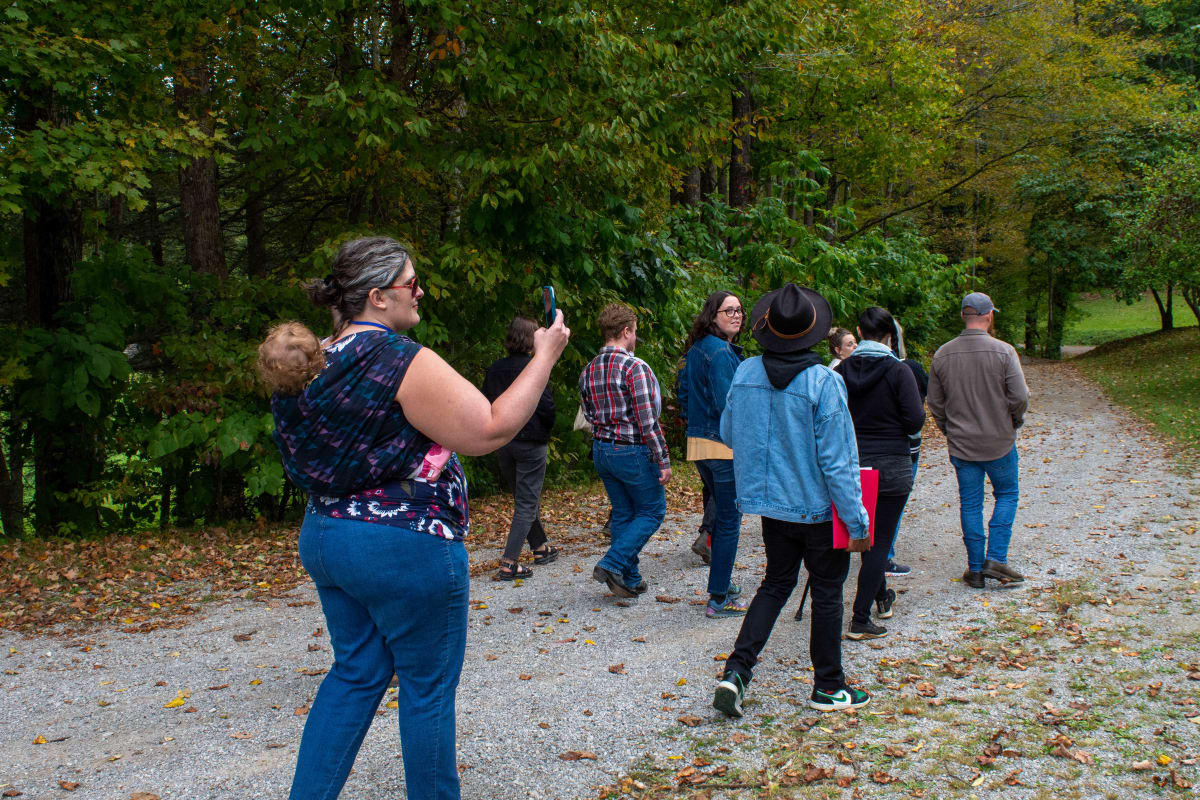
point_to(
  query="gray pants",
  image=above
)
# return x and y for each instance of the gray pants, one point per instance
(523, 468)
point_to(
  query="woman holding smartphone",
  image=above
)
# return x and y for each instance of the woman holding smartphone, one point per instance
(384, 542)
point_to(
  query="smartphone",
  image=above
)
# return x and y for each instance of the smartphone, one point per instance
(548, 304)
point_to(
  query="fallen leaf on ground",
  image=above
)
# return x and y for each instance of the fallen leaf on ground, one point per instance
(813, 774)
(576, 755)
(68, 786)
(617, 669)
(666, 598)
(241, 735)
(691, 720)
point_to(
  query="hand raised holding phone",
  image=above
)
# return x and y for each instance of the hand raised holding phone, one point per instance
(552, 339)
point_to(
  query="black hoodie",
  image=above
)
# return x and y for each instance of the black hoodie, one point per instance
(781, 368)
(885, 403)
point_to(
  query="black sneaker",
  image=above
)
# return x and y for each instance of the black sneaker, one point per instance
(729, 694)
(640, 587)
(973, 579)
(614, 582)
(895, 570)
(866, 630)
(840, 700)
(883, 608)
(700, 547)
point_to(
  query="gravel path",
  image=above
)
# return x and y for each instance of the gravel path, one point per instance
(555, 666)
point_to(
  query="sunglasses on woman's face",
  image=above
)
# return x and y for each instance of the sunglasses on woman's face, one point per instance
(412, 285)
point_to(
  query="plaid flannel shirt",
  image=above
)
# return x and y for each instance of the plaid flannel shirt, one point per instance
(621, 399)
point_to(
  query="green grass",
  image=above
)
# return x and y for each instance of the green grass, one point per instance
(1157, 376)
(1104, 319)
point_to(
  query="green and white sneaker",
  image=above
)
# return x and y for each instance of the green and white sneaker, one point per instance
(840, 700)
(730, 691)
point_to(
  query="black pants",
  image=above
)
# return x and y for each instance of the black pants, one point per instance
(788, 545)
(872, 582)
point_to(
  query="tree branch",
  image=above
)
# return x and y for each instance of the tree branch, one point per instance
(913, 206)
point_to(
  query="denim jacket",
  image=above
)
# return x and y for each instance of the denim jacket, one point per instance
(704, 384)
(794, 454)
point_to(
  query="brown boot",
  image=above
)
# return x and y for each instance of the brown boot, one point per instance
(1001, 572)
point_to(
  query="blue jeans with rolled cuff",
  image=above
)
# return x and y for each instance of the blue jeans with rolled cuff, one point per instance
(395, 602)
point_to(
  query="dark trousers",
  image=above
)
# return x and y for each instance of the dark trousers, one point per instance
(523, 467)
(790, 544)
(872, 582)
(710, 511)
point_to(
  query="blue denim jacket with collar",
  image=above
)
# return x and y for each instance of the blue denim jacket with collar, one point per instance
(704, 384)
(794, 454)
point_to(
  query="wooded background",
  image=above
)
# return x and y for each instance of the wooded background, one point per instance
(172, 171)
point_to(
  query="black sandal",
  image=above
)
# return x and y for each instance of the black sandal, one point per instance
(511, 571)
(545, 556)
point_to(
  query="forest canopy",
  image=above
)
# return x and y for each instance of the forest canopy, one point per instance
(171, 172)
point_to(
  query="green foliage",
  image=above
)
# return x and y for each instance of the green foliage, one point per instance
(514, 146)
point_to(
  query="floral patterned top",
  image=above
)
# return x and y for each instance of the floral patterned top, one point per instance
(346, 442)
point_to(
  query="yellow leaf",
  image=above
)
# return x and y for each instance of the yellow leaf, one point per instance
(588, 641)
(681, 682)
(176, 703)
(977, 781)
(155, 605)
(255, 682)
(39, 739)
(1035, 627)
(1163, 760)
(391, 704)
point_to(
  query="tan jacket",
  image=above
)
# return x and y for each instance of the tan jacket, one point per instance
(977, 395)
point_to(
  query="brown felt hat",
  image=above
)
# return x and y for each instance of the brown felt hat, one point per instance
(790, 318)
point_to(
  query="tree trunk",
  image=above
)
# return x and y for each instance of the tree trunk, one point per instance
(691, 187)
(740, 190)
(708, 179)
(1030, 328)
(1166, 315)
(1191, 296)
(198, 198)
(12, 492)
(256, 244)
(156, 238)
(53, 242)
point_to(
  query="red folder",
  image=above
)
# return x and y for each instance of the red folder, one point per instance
(870, 490)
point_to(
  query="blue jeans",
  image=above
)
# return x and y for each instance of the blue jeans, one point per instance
(892, 550)
(395, 602)
(639, 504)
(1005, 488)
(717, 474)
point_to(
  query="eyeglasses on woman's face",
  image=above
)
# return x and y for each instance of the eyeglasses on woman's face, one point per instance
(731, 313)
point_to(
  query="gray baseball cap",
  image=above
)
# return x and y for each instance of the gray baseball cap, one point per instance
(979, 302)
